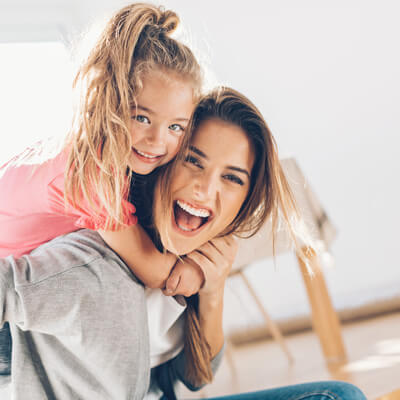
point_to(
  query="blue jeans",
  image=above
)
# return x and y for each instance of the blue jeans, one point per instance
(325, 390)
(5, 350)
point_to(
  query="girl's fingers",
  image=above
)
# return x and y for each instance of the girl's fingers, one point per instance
(172, 283)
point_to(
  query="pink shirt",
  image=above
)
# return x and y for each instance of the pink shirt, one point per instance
(32, 209)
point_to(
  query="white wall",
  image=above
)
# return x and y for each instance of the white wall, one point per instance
(326, 77)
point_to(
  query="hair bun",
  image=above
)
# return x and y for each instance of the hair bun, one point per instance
(168, 21)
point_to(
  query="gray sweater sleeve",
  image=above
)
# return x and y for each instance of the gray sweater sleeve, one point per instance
(11, 307)
(36, 295)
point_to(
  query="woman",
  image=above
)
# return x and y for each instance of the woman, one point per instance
(91, 340)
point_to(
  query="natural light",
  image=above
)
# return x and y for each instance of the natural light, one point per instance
(35, 81)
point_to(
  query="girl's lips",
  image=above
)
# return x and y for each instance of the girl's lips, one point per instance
(150, 159)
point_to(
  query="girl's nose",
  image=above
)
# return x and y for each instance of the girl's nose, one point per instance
(156, 136)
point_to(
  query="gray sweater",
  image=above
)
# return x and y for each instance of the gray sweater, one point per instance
(79, 325)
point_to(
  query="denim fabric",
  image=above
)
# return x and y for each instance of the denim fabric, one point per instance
(5, 350)
(326, 390)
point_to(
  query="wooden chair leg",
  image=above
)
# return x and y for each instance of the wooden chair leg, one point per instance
(271, 325)
(324, 318)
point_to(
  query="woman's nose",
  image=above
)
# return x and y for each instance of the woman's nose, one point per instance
(206, 186)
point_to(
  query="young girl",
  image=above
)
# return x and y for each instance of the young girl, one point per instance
(140, 89)
(141, 86)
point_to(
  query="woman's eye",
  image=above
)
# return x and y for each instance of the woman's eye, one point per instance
(177, 128)
(193, 160)
(142, 119)
(234, 179)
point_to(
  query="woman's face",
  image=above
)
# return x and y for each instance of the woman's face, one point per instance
(209, 187)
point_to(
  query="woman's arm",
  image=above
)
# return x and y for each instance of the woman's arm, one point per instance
(215, 258)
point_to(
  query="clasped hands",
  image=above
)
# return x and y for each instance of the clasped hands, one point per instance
(204, 270)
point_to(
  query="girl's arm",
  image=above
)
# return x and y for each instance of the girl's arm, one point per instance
(215, 258)
(138, 251)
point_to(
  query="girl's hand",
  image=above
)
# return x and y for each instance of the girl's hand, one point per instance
(215, 258)
(186, 279)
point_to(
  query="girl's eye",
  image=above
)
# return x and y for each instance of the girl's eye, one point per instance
(177, 128)
(142, 119)
(234, 179)
(193, 160)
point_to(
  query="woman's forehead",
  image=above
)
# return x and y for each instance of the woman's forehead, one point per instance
(215, 139)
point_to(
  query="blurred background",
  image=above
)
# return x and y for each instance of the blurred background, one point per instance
(326, 77)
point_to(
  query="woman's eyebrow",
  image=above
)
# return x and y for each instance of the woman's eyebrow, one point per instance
(231, 167)
(244, 171)
(198, 152)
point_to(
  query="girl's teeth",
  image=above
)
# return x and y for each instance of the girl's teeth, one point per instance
(145, 155)
(194, 211)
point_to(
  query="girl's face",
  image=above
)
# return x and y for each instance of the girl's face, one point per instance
(209, 187)
(164, 106)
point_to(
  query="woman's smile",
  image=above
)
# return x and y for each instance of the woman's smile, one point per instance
(189, 218)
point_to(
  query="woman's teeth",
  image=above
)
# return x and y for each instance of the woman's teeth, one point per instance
(197, 212)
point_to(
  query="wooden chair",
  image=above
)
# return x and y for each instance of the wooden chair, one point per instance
(324, 318)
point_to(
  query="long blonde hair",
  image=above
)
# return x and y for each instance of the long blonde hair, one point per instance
(269, 197)
(135, 41)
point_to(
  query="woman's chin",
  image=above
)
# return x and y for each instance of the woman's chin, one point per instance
(180, 245)
(184, 240)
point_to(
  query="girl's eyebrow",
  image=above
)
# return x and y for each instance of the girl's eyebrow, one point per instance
(146, 109)
(231, 167)
(151, 112)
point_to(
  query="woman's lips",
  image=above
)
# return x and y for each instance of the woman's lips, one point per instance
(147, 158)
(186, 216)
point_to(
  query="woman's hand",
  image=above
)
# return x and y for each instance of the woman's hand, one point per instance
(215, 258)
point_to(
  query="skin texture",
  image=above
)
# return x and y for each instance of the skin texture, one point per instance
(160, 118)
(215, 179)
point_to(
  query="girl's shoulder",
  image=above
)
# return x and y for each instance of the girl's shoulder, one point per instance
(31, 199)
(24, 180)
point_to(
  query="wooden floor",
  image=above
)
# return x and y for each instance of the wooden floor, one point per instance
(373, 347)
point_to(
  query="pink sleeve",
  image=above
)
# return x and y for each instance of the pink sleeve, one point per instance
(85, 216)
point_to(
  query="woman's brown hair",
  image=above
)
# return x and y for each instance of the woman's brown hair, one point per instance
(135, 41)
(269, 197)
